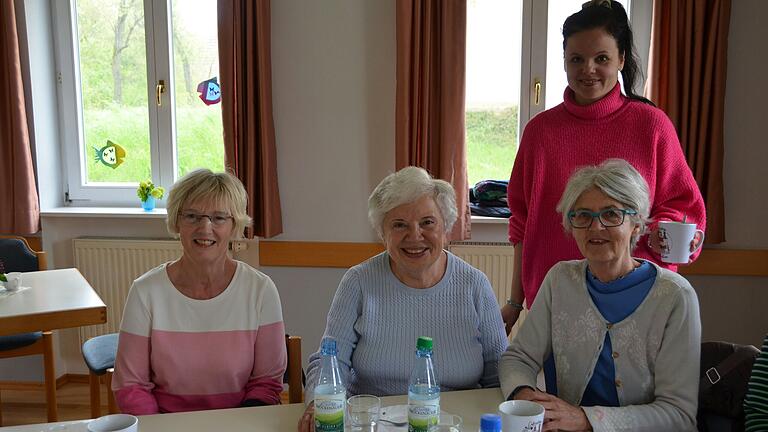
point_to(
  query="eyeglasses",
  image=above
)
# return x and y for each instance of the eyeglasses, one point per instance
(192, 218)
(610, 217)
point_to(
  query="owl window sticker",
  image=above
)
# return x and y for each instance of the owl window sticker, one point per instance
(210, 92)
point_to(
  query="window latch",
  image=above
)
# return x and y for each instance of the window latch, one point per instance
(159, 90)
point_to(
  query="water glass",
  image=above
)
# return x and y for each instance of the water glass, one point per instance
(363, 413)
(447, 423)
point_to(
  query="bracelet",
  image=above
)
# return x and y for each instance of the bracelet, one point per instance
(514, 304)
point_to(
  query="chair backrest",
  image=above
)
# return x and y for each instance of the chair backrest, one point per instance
(17, 256)
(294, 372)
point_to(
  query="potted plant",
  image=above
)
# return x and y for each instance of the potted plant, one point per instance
(148, 193)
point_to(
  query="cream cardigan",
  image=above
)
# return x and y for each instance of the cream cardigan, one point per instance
(656, 350)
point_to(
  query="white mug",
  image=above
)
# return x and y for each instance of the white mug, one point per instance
(521, 416)
(114, 423)
(675, 241)
(13, 281)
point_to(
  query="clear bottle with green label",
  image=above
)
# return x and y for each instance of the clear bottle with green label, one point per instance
(423, 389)
(330, 394)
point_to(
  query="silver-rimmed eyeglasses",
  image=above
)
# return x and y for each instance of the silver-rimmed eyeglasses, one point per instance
(610, 217)
(192, 218)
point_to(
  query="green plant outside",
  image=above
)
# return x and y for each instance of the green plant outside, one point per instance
(491, 144)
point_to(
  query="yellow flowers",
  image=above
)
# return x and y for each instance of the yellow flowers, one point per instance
(147, 188)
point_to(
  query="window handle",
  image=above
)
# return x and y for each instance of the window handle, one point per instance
(536, 92)
(159, 90)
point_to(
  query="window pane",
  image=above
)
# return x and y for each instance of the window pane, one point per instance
(113, 84)
(199, 136)
(556, 81)
(492, 87)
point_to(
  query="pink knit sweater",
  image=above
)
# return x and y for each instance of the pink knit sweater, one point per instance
(560, 140)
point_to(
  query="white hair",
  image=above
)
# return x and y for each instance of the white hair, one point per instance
(406, 186)
(617, 179)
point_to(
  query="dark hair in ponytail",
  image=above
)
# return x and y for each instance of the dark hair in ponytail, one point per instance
(611, 17)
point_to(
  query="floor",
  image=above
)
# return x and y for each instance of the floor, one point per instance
(28, 406)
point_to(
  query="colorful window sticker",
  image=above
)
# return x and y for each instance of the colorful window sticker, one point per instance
(111, 155)
(210, 92)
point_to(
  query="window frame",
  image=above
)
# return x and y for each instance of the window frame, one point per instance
(162, 122)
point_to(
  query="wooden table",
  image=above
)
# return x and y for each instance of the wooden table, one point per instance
(469, 404)
(56, 299)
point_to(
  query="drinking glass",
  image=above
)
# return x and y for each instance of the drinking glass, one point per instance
(447, 423)
(363, 412)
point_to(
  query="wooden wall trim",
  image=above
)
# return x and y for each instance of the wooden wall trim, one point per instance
(315, 254)
(712, 262)
(729, 262)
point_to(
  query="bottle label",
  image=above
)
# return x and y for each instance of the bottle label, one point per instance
(329, 413)
(422, 414)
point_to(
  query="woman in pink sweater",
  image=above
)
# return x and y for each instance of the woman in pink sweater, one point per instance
(595, 122)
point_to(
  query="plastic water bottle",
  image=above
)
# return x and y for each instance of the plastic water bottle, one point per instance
(490, 423)
(330, 394)
(423, 390)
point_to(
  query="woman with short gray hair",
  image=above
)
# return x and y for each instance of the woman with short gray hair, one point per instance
(415, 288)
(619, 328)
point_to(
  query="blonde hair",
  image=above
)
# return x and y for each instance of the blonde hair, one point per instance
(221, 188)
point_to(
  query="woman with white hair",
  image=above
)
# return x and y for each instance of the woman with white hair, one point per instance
(414, 288)
(624, 333)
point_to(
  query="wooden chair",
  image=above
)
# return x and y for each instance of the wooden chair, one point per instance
(16, 255)
(99, 355)
(294, 374)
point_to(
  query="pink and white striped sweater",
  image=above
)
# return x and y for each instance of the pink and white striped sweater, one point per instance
(180, 354)
(559, 140)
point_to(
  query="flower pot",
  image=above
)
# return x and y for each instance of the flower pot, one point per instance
(148, 204)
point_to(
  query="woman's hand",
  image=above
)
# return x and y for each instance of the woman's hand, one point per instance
(307, 420)
(509, 314)
(558, 414)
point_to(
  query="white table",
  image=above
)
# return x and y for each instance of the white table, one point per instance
(55, 299)
(469, 404)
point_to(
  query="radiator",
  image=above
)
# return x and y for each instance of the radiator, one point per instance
(110, 265)
(495, 260)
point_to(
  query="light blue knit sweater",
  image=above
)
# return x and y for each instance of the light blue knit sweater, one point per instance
(376, 320)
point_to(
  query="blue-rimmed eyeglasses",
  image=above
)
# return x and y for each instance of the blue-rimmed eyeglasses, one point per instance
(192, 218)
(610, 217)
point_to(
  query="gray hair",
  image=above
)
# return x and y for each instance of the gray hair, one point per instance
(203, 184)
(618, 180)
(406, 186)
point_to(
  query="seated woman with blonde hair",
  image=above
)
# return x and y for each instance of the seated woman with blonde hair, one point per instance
(624, 333)
(204, 331)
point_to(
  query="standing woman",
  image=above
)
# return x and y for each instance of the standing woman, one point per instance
(595, 122)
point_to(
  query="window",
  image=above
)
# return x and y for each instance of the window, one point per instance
(514, 71)
(138, 94)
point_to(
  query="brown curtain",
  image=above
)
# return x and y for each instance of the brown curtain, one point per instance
(245, 63)
(20, 210)
(429, 113)
(686, 78)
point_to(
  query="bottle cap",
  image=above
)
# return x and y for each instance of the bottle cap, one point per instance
(424, 343)
(490, 423)
(328, 347)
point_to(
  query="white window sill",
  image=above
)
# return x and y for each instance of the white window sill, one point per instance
(489, 220)
(104, 212)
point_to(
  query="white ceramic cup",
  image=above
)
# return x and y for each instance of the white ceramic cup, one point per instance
(14, 281)
(521, 416)
(114, 423)
(675, 241)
